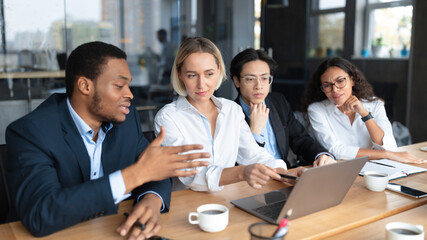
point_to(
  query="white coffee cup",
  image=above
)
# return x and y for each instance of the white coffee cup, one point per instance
(376, 181)
(210, 217)
(406, 231)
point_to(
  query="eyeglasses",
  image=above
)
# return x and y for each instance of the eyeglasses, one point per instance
(339, 83)
(252, 79)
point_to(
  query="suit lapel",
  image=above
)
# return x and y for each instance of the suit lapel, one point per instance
(74, 140)
(108, 164)
(278, 127)
(237, 100)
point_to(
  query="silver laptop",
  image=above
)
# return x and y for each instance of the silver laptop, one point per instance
(318, 188)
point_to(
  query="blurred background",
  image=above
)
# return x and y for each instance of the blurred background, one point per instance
(384, 38)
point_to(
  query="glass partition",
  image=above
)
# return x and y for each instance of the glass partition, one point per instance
(37, 37)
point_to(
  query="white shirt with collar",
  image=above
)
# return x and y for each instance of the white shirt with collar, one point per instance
(233, 141)
(334, 131)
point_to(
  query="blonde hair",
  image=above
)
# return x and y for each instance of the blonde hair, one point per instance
(194, 45)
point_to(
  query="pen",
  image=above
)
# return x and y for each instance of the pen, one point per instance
(282, 229)
(137, 223)
(383, 164)
(289, 176)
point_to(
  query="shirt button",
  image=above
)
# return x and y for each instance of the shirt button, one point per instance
(90, 131)
(94, 174)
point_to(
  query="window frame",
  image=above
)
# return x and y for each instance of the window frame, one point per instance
(314, 11)
(368, 24)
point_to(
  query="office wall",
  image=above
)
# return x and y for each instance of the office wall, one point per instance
(284, 30)
(417, 114)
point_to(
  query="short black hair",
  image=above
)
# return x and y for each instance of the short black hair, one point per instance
(88, 60)
(249, 55)
(162, 32)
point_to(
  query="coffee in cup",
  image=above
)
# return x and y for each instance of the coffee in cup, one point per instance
(400, 231)
(210, 217)
(376, 181)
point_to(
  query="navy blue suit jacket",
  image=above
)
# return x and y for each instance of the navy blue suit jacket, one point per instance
(49, 168)
(288, 131)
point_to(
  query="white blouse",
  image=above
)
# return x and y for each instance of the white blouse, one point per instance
(232, 142)
(334, 131)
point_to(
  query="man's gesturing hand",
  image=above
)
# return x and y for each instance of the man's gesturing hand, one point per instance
(157, 163)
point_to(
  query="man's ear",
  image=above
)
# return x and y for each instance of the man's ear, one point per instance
(84, 85)
(236, 82)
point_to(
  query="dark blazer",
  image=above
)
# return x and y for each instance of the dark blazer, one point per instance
(289, 132)
(49, 168)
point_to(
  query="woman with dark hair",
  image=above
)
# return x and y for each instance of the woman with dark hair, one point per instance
(346, 116)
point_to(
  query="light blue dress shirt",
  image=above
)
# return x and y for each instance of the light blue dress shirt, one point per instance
(94, 149)
(267, 134)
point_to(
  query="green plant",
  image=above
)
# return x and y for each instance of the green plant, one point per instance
(378, 41)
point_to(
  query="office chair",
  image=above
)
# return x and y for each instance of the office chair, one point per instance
(4, 193)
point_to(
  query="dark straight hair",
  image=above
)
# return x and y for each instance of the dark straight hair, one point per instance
(249, 55)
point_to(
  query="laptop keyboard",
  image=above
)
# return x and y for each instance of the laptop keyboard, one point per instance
(272, 210)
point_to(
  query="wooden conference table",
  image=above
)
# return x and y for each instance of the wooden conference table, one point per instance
(361, 212)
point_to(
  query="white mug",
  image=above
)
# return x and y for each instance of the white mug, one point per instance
(404, 231)
(210, 217)
(376, 181)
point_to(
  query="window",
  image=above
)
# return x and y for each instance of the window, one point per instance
(257, 24)
(326, 34)
(388, 25)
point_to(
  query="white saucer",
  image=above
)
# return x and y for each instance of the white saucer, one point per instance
(424, 149)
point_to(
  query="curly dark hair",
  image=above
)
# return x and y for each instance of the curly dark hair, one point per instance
(362, 89)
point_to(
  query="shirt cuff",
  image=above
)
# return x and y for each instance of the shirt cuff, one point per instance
(325, 153)
(118, 187)
(213, 176)
(377, 146)
(163, 203)
(258, 138)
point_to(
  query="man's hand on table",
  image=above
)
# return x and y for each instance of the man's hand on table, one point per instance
(146, 212)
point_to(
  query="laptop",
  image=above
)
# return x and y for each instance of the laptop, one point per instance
(318, 188)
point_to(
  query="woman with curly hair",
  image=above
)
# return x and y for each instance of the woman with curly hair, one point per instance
(345, 115)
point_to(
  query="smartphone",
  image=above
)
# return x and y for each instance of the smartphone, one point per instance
(406, 190)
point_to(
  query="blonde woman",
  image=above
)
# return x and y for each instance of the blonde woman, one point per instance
(216, 123)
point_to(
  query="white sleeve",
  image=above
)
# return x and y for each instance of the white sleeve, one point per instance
(380, 117)
(207, 178)
(250, 152)
(325, 135)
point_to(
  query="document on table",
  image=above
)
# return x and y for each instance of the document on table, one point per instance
(392, 168)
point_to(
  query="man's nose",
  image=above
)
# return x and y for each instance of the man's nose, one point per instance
(128, 93)
(258, 83)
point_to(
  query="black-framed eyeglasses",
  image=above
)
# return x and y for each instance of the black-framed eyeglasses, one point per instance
(339, 83)
(252, 79)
